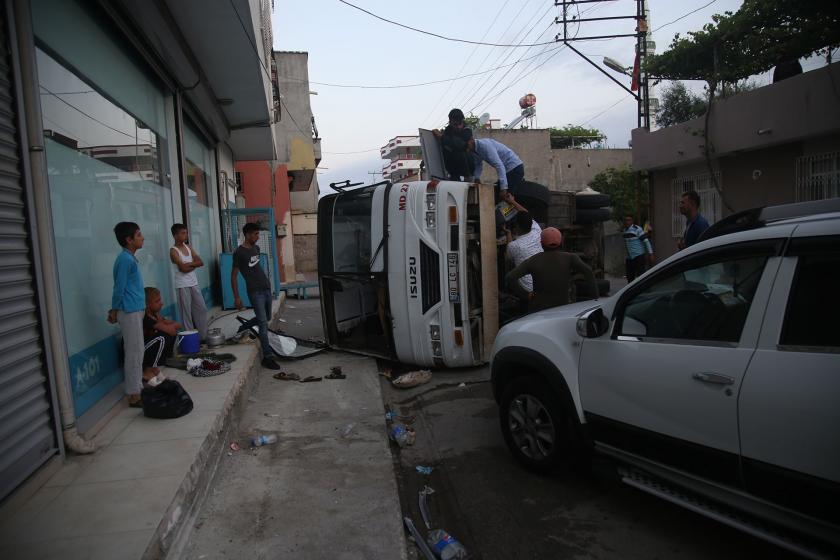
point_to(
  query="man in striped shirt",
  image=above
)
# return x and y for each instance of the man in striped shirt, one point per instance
(639, 251)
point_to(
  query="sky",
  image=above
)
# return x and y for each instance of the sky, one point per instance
(350, 48)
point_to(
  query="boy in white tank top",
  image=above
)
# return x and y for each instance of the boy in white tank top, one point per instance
(190, 301)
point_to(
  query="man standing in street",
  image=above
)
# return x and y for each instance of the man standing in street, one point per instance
(639, 251)
(509, 167)
(695, 223)
(246, 259)
(552, 272)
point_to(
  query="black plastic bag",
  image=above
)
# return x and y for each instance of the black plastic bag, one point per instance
(166, 400)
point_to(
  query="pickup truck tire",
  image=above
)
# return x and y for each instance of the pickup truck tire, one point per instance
(536, 427)
(591, 201)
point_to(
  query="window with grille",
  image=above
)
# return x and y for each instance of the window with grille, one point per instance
(818, 176)
(710, 204)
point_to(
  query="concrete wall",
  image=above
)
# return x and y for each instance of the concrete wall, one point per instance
(306, 255)
(532, 146)
(575, 169)
(559, 170)
(751, 179)
(801, 107)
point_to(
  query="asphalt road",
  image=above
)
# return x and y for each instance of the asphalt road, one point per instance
(500, 511)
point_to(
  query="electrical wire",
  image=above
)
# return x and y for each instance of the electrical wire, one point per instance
(684, 16)
(247, 36)
(436, 34)
(465, 87)
(356, 152)
(467, 61)
(91, 117)
(297, 126)
(419, 84)
(592, 118)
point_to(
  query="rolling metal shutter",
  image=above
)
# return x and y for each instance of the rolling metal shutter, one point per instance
(27, 435)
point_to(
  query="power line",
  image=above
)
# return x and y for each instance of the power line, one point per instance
(419, 84)
(467, 61)
(458, 96)
(438, 35)
(684, 16)
(91, 117)
(590, 119)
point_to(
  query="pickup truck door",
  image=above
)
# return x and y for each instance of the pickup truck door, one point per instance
(789, 407)
(432, 155)
(664, 383)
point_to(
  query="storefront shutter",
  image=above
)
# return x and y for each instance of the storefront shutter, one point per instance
(27, 436)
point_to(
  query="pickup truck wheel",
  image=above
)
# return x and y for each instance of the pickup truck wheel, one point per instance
(535, 426)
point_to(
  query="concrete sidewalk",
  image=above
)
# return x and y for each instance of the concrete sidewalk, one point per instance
(135, 495)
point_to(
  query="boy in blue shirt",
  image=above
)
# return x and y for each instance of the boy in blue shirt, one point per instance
(128, 305)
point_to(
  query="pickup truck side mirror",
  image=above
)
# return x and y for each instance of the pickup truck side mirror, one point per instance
(593, 323)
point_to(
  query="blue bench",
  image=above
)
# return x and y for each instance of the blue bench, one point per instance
(299, 288)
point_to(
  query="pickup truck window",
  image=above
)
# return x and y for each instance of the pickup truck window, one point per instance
(814, 304)
(709, 302)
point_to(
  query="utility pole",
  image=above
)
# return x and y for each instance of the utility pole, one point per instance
(640, 81)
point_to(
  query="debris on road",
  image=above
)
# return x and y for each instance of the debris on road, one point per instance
(423, 497)
(418, 539)
(298, 322)
(282, 320)
(335, 373)
(412, 379)
(402, 435)
(348, 429)
(267, 439)
(446, 546)
(462, 384)
(424, 470)
(234, 446)
(310, 379)
(284, 376)
(272, 415)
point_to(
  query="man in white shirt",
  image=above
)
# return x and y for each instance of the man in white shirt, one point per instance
(523, 243)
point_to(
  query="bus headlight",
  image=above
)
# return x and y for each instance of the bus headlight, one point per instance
(434, 331)
(431, 201)
(437, 348)
(430, 219)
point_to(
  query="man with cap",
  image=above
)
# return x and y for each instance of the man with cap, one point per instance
(551, 271)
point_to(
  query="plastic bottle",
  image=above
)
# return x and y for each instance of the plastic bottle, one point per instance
(445, 545)
(402, 435)
(259, 441)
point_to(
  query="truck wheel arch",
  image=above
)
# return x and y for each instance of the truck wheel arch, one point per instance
(516, 361)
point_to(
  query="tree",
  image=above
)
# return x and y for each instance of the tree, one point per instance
(678, 105)
(760, 35)
(620, 184)
(574, 136)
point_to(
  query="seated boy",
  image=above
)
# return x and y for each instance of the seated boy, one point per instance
(158, 334)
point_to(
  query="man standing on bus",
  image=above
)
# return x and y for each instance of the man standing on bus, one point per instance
(508, 165)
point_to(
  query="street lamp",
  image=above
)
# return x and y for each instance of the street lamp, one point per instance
(613, 64)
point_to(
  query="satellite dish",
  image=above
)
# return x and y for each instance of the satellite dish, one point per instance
(483, 119)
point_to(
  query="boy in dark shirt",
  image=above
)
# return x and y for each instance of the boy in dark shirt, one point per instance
(246, 260)
(158, 334)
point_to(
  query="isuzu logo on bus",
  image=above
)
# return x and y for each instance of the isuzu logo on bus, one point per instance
(412, 277)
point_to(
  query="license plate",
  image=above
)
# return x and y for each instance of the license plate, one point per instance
(452, 275)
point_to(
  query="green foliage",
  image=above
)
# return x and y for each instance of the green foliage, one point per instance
(573, 136)
(760, 35)
(620, 184)
(471, 122)
(677, 104)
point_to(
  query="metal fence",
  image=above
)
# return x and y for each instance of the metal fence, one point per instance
(234, 219)
(818, 176)
(710, 203)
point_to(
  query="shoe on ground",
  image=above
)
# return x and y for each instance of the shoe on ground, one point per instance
(269, 363)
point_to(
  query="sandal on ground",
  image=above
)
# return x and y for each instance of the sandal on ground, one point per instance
(310, 379)
(283, 376)
(336, 375)
(136, 404)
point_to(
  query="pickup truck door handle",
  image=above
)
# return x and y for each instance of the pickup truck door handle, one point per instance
(711, 377)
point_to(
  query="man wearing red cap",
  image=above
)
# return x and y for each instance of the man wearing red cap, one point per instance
(551, 271)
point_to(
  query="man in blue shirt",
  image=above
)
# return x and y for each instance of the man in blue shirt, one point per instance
(638, 249)
(510, 168)
(695, 223)
(128, 305)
